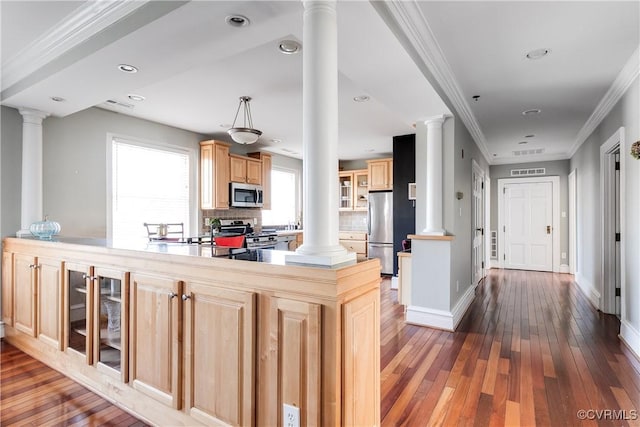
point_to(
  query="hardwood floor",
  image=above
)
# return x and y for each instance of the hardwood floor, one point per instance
(530, 351)
(32, 394)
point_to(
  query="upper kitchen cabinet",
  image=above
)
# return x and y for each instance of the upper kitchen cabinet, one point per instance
(214, 175)
(380, 174)
(245, 169)
(345, 180)
(265, 161)
(353, 190)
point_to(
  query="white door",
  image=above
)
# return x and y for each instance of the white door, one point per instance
(528, 226)
(478, 226)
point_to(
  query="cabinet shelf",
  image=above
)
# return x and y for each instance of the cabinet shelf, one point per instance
(112, 339)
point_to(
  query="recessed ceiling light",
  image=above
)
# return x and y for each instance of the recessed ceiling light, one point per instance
(476, 97)
(495, 155)
(57, 99)
(531, 112)
(289, 47)
(276, 140)
(538, 53)
(225, 125)
(135, 97)
(361, 98)
(530, 135)
(237, 20)
(126, 68)
(523, 142)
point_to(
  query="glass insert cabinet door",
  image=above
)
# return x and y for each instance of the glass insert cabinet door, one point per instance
(96, 317)
(110, 341)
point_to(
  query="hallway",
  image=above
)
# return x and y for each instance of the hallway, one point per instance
(530, 351)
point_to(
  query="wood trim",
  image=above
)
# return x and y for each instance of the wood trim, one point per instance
(427, 237)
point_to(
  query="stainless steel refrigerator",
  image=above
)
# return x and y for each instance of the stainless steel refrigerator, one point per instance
(380, 226)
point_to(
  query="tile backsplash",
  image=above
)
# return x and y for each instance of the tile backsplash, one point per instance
(353, 221)
(235, 213)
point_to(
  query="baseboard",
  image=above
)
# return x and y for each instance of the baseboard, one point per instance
(564, 268)
(494, 263)
(588, 290)
(441, 319)
(630, 337)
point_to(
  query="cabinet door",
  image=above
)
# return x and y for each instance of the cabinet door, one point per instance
(7, 288)
(219, 347)
(294, 369)
(155, 322)
(49, 294)
(254, 172)
(345, 183)
(207, 189)
(380, 175)
(111, 322)
(222, 177)
(78, 311)
(360, 190)
(266, 181)
(238, 169)
(24, 293)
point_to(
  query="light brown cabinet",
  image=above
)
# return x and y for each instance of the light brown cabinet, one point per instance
(266, 162)
(354, 241)
(7, 288)
(37, 297)
(380, 174)
(245, 169)
(354, 190)
(214, 175)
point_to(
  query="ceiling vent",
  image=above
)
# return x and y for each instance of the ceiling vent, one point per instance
(528, 152)
(528, 172)
(112, 103)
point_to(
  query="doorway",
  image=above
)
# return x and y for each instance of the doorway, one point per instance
(478, 225)
(573, 221)
(529, 223)
(612, 229)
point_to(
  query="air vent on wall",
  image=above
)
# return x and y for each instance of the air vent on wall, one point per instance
(112, 103)
(528, 172)
(528, 152)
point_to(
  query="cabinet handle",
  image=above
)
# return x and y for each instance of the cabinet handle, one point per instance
(172, 295)
(185, 297)
(34, 266)
(92, 278)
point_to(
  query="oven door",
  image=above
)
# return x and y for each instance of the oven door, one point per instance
(245, 195)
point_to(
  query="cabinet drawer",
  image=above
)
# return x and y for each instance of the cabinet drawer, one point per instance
(352, 235)
(356, 246)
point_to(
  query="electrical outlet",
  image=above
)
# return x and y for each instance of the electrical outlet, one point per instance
(290, 416)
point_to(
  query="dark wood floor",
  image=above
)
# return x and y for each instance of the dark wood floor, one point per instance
(530, 351)
(32, 394)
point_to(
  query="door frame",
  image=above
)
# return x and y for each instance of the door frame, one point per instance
(478, 170)
(573, 221)
(607, 224)
(555, 214)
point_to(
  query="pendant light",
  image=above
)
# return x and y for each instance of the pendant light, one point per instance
(244, 135)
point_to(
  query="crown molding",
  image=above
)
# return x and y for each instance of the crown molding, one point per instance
(407, 19)
(533, 158)
(86, 21)
(627, 75)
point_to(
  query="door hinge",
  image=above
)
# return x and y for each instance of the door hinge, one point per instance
(482, 185)
(504, 228)
(618, 292)
(617, 237)
(617, 166)
(483, 264)
(504, 190)
(504, 257)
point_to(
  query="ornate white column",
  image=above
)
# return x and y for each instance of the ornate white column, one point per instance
(320, 137)
(32, 185)
(434, 224)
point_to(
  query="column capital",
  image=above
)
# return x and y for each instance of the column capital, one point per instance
(436, 120)
(29, 115)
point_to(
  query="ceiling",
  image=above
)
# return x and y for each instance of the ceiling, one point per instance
(413, 59)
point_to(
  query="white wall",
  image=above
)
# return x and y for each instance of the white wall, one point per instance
(10, 171)
(586, 161)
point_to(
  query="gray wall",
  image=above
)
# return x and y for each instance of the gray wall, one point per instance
(558, 168)
(75, 164)
(586, 162)
(10, 171)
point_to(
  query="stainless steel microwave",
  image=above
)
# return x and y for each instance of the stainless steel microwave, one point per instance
(245, 195)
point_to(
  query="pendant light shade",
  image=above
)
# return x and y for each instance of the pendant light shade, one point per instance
(245, 134)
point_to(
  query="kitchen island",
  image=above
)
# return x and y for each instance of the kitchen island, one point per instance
(182, 335)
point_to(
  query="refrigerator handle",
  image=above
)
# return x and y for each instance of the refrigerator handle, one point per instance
(369, 220)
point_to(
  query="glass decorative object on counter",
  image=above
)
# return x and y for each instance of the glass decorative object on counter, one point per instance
(45, 229)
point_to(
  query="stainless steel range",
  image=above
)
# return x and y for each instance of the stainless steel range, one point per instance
(261, 240)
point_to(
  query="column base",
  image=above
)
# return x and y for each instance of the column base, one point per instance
(324, 256)
(23, 233)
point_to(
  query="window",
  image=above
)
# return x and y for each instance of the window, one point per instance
(283, 198)
(149, 184)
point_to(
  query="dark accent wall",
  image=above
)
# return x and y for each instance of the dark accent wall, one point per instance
(404, 172)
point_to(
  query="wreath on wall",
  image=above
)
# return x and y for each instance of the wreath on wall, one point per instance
(635, 150)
